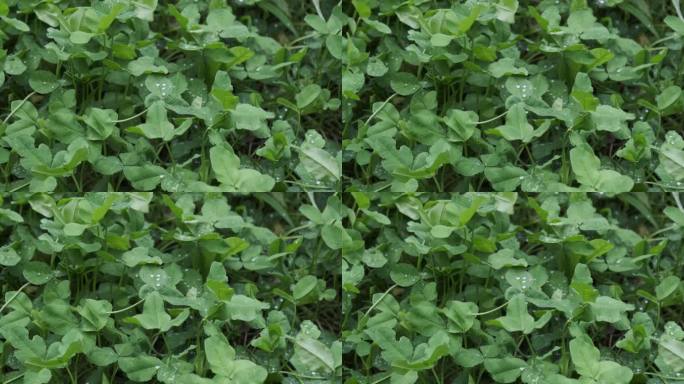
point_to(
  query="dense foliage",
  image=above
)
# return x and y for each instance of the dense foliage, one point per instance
(504, 95)
(180, 96)
(504, 288)
(341, 191)
(180, 289)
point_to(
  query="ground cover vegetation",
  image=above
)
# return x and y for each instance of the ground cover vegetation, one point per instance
(504, 288)
(513, 95)
(186, 289)
(188, 95)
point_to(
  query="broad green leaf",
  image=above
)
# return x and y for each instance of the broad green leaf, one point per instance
(95, 314)
(138, 256)
(505, 67)
(667, 287)
(609, 310)
(462, 124)
(156, 125)
(517, 127)
(310, 355)
(307, 95)
(670, 355)
(226, 166)
(517, 319)
(101, 123)
(585, 356)
(404, 83)
(141, 368)
(404, 275)
(9, 257)
(221, 358)
(244, 308)
(505, 370)
(43, 82)
(668, 97)
(319, 163)
(154, 315)
(461, 315)
(304, 286)
(607, 118)
(587, 169)
(250, 118)
(335, 236)
(505, 258)
(37, 272)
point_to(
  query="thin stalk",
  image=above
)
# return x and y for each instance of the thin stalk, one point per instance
(14, 296)
(18, 106)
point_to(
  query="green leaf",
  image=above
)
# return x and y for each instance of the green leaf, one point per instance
(307, 95)
(154, 315)
(26, 348)
(505, 67)
(80, 37)
(404, 83)
(607, 118)
(101, 123)
(319, 164)
(667, 287)
(143, 65)
(43, 82)
(250, 118)
(144, 9)
(517, 319)
(461, 315)
(14, 66)
(226, 167)
(221, 358)
(140, 368)
(670, 355)
(505, 370)
(335, 236)
(95, 314)
(304, 286)
(8, 256)
(138, 256)
(505, 10)
(676, 24)
(462, 124)
(609, 310)
(586, 167)
(145, 178)
(668, 97)
(585, 357)
(505, 178)
(671, 157)
(244, 308)
(157, 125)
(404, 275)
(311, 355)
(505, 258)
(42, 376)
(517, 127)
(37, 272)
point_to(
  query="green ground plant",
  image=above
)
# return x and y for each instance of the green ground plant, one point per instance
(505, 288)
(504, 95)
(113, 288)
(188, 95)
